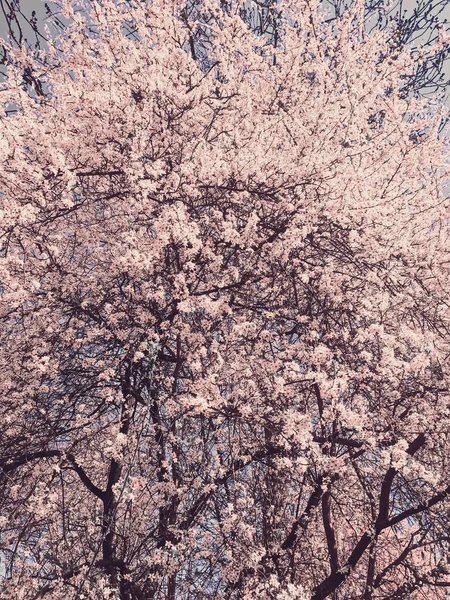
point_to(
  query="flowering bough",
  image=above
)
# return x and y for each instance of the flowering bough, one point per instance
(223, 312)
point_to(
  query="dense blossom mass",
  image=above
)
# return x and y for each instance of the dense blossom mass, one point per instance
(224, 311)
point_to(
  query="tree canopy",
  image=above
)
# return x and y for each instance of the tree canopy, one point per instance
(224, 314)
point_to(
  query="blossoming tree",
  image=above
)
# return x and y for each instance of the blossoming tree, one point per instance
(224, 312)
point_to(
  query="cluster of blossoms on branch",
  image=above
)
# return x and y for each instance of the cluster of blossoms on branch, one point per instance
(224, 311)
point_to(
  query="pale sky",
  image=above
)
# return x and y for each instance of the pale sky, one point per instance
(27, 6)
